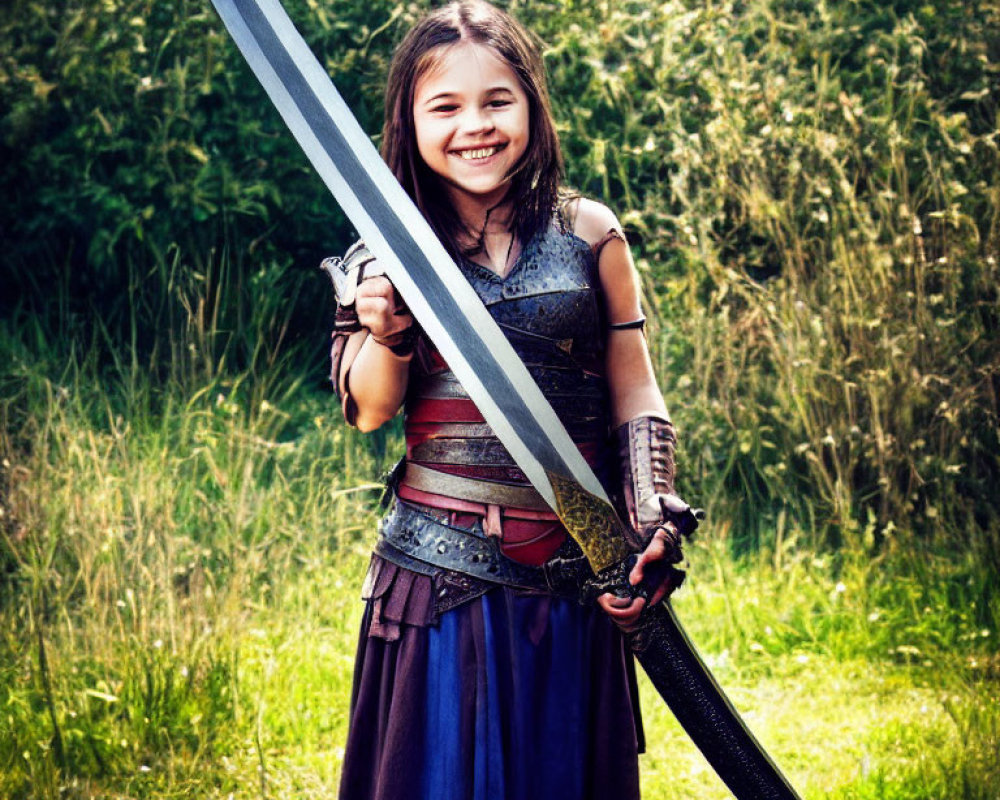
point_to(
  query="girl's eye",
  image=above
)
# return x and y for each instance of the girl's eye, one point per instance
(444, 108)
(499, 103)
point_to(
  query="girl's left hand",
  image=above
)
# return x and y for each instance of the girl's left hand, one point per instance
(625, 611)
(380, 308)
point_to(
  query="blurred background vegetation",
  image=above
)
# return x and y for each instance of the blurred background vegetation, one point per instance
(812, 191)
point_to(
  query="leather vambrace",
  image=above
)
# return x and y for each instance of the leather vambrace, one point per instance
(646, 457)
(345, 273)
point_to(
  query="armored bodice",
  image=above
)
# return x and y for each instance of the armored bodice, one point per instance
(550, 292)
(550, 309)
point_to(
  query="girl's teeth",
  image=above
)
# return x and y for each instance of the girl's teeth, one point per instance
(482, 152)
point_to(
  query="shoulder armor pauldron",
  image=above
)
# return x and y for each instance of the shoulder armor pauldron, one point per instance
(346, 273)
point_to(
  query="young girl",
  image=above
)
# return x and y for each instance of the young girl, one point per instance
(480, 674)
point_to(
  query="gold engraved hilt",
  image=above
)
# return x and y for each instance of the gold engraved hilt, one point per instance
(591, 521)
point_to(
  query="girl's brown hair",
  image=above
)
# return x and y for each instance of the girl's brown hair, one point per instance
(535, 179)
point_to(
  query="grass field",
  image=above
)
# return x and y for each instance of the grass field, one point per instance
(180, 603)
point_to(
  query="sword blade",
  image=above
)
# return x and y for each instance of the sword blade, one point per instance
(672, 664)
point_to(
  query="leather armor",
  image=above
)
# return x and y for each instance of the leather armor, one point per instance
(457, 475)
(549, 308)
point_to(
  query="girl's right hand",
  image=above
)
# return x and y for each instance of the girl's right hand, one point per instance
(380, 308)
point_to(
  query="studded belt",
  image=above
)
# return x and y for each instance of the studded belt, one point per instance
(426, 545)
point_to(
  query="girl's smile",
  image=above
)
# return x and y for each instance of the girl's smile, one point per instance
(479, 153)
(471, 121)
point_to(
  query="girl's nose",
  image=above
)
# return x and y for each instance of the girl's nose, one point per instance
(477, 121)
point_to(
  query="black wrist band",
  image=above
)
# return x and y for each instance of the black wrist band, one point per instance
(399, 344)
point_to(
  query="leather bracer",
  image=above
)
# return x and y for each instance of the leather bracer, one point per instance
(346, 274)
(646, 457)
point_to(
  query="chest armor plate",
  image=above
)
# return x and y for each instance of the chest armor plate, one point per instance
(550, 309)
(550, 293)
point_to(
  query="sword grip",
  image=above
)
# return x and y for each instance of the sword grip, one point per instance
(654, 574)
(615, 579)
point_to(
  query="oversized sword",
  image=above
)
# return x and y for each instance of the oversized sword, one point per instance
(461, 328)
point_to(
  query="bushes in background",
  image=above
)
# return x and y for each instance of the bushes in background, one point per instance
(811, 189)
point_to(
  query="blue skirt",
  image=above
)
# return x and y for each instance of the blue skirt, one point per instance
(507, 697)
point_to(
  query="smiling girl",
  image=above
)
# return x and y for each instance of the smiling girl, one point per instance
(479, 673)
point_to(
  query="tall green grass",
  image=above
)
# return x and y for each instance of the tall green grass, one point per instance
(143, 525)
(180, 602)
(813, 192)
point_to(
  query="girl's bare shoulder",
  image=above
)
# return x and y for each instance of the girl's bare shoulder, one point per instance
(592, 221)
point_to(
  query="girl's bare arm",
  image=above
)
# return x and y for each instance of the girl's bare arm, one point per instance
(371, 375)
(631, 382)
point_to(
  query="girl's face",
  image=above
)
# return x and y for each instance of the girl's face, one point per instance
(471, 120)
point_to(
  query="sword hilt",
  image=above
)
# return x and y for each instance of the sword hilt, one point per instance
(615, 579)
(654, 574)
(685, 523)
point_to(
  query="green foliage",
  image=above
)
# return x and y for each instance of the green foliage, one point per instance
(813, 190)
(134, 545)
(140, 156)
(179, 607)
